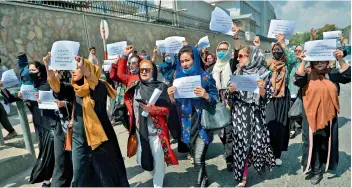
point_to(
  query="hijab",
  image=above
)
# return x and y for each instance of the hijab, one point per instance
(42, 76)
(278, 68)
(222, 70)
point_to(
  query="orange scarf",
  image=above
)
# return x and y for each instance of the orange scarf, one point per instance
(94, 130)
(278, 79)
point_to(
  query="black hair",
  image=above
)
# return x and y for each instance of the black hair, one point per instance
(298, 45)
(136, 56)
(92, 48)
(186, 49)
(143, 51)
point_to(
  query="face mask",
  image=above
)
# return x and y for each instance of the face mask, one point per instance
(221, 55)
(188, 71)
(33, 75)
(168, 60)
(277, 55)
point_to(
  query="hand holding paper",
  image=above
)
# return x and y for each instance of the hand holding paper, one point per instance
(47, 100)
(62, 55)
(155, 96)
(116, 49)
(186, 85)
(281, 26)
(320, 50)
(246, 82)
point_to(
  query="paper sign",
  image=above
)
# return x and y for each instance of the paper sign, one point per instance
(281, 26)
(332, 34)
(47, 100)
(220, 21)
(155, 96)
(28, 92)
(6, 107)
(185, 86)
(246, 82)
(160, 44)
(107, 65)
(116, 49)
(173, 44)
(203, 43)
(320, 50)
(9, 79)
(63, 55)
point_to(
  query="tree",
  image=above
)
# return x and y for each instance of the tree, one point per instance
(327, 27)
(299, 38)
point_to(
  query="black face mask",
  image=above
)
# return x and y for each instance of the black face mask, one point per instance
(34, 76)
(277, 55)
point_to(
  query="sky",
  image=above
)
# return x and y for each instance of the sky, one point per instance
(314, 14)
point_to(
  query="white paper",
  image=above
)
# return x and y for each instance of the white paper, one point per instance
(173, 44)
(47, 100)
(332, 34)
(160, 44)
(203, 43)
(27, 92)
(320, 50)
(281, 26)
(246, 82)
(63, 55)
(155, 96)
(6, 107)
(107, 65)
(220, 21)
(185, 86)
(9, 79)
(116, 49)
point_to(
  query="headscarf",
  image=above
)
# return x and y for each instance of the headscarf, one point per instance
(24, 75)
(42, 79)
(222, 70)
(95, 133)
(167, 69)
(278, 79)
(22, 61)
(214, 60)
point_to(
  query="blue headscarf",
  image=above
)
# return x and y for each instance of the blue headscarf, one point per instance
(24, 76)
(168, 69)
(187, 104)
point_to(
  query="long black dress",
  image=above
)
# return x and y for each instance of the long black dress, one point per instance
(321, 137)
(103, 166)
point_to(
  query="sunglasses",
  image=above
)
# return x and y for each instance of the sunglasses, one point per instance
(146, 70)
(298, 51)
(240, 56)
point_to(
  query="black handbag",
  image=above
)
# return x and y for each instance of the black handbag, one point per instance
(296, 110)
(215, 117)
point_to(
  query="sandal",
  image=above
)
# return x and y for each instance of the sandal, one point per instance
(242, 183)
(190, 158)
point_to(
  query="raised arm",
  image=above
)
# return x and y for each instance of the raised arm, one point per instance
(313, 34)
(121, 71)
(155, 52)
(236, 41)
(113, 71)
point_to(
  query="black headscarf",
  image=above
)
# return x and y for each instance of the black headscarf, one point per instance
(41, 82)
(146, 89)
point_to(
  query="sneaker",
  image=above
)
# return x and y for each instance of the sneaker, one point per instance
(292, 134)
(278, 162)
(316, 179)
(10, 135)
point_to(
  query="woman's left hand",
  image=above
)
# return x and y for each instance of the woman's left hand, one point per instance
(146, 107)
(261, 87)
(200, 92)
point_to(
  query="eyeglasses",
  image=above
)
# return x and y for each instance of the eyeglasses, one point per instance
(222, 49)
(297, 51)
(240, 56)
(134, 62)
(146, 70)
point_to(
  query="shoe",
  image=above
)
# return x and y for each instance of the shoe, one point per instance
(292, 134)
(46, 184)
(10, 135)
(278, 162)
(229, 166)
(316, 179)
(243, 183)
(202, 179)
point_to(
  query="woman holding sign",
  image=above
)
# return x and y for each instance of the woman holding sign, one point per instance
(320, 108)
(197, 138)
(152, 130)
(251, 145)
(96, 155)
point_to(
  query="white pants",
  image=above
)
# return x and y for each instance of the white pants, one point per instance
(159, 162)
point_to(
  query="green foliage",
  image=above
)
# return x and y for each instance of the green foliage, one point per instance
(327, 27)
(299, 38)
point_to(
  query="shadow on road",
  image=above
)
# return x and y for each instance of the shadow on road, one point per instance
(342, 121)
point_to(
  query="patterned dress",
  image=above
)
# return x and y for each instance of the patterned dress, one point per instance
(250, 135)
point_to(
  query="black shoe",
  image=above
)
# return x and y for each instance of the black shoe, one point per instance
(46, 184)
(316, 179)
(229, 166)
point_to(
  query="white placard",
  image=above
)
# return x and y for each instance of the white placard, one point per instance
(332, 34)
(107, 65)
(320, 50)
(220, 21)
(160, 44)
(185, 86)
(6, 107)
(203, 43)
(9, 79)
(155, 96)
(116, 49)
(47, 100)
(63, 55)
(27, 92)
(281, 26)
(173, 44)
(246, 82)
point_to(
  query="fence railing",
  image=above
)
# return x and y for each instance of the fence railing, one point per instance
(135, 10)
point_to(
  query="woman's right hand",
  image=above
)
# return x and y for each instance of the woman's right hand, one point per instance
(19, 95)
(232, 88)
(46, 59)
(170, 91)
(128, 50)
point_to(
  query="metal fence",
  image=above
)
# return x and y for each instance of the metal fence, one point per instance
(134, 10)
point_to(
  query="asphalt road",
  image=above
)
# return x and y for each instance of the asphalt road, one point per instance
(287, 175)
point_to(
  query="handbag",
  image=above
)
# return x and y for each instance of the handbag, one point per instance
(296, 110)
(132, 145)
(215, 117)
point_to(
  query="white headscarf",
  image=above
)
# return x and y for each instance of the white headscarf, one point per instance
(222, 70)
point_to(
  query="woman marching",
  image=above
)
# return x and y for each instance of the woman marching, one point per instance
(192, 132)
(96, 155)
(152, 131)
(251, 145)
(320, 108)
